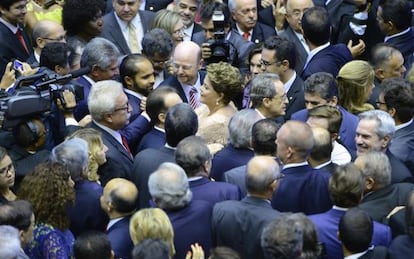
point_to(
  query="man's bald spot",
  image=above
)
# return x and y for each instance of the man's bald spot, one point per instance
(299, 135)
(122, 188)
(321, 136)
(188, 48)
(260, 165)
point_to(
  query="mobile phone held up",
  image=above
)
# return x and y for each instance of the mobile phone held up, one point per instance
(17, 67)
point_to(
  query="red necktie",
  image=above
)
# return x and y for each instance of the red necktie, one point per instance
(246, 35)
(125, 143)
(21, 39)
(193, 98)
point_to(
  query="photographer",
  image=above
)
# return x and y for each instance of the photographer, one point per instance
(217, 41)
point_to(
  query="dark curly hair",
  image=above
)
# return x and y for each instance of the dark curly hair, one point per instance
(48, 189)
(225, 79)
(76, 13)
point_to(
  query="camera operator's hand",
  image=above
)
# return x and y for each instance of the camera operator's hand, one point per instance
(143, 104)
(70, 100)
(205, 51)
(9, 76)
(27, 70)
(85, 121)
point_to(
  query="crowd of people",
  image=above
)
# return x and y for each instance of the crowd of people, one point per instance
(206, 129)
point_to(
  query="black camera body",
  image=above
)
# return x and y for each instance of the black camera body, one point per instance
(220, 47)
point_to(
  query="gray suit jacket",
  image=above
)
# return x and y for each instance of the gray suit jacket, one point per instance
(402, 146)
(301, 54)
(112, 31)
(237, 176)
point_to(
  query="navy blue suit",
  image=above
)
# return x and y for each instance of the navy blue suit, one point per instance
(191, 224)
(213, 192)
(239, 224)
(327, 226)
(401, 247)
(301, 53)
(303, 189)
(135, 103)
(174, 83)
(404, 43)
(296, 97)
(399, 172)
(153, 139)
(121, 242)
(329, 59)
(118, 161)
(87, 214)
(81, 109)
(145, 163)
(347, 130)
(402, 146)
(228, 158)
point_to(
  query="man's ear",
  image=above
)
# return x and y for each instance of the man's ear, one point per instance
(128, 81)
(369, 183)
(379, 73)
(333, 101)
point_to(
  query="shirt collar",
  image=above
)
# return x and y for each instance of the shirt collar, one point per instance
(315, 51)
(113, 222)
(295, 165)
(242, 32)
(396, 35)
(289, 83)
(11, 27)
(188, 32)
(323, 164)
(403, 125)
(133, 93)
(112, 132)
(356, 256)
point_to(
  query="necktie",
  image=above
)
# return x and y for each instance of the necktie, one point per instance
(21, 39)
(246, 35)
(125, 144)
(193, 98)
(133, 38)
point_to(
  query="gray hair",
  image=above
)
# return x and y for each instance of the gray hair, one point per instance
(232, 5)
(240, 127)
(377, 166)
(385, 123)
(282, 238)
(99, 52)
(9, 242)
(191, 154)
(73, 154)
(169, 187)
(102, 98)
(263, 86)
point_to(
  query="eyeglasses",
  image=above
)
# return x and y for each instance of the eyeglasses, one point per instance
(7, 169)
(267, 63)
(379, 103)
(246, 11)
(127, 108)
(61, 38)
(184, 67)
(297, 13)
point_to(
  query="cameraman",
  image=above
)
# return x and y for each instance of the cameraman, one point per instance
(238, 48)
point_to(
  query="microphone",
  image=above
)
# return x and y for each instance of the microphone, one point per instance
(57, 78)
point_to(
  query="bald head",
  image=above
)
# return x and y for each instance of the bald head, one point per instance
(121, 195)
(322, 149)
(46, 31)
(262, 171)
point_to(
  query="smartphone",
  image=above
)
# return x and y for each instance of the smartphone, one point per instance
(17, 64)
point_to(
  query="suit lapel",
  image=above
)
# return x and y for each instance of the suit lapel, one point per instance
(116, 33)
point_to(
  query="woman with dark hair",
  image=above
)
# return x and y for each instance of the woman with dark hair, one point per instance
(7, 176)
(50, 189)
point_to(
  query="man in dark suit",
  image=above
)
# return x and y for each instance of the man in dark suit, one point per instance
(244, 14)
(188, 9)
(380, 196)
(180, 122)
(158, 104)
(346, 187)
(279, 57)
(126, 26)
(190, 218)
(263, 143)
(320, 89)
(249, 216)
(322, 57)
(355, 233)
(101, 57)
(303, 189)
(293, 32)
(397, 99)
(86, 212)
(119, 201)
(394, 20)
(110, 112)
(238, 47)
(187, 79)
(374, 133)
(194, 157)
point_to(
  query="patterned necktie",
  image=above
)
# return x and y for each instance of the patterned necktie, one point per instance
(21, 39)
(246, 35)
(193, 98)
(133, 38)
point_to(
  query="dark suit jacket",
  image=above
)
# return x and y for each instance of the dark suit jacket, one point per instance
(173, 82)
(327, 226)
(121, 242)
(239, 224)
(237, 176)
(399, 172)
(118, 161)
(135, 131)
(260, 32)
(213, 192)
(402, 146)
(329, 59)
(153, 139)
(81, 109)
(378, 252)
(112, 31)
(404, 43)
(156, 5)
(296, 97)
(32, 61)
(378, 204)
(135, 103)
(301, 53)
(347, 130)
(228, 158)
(400, 247)
(303, 189)
(145, 163)
(191, 224)
(10, 47)
(87, 214)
